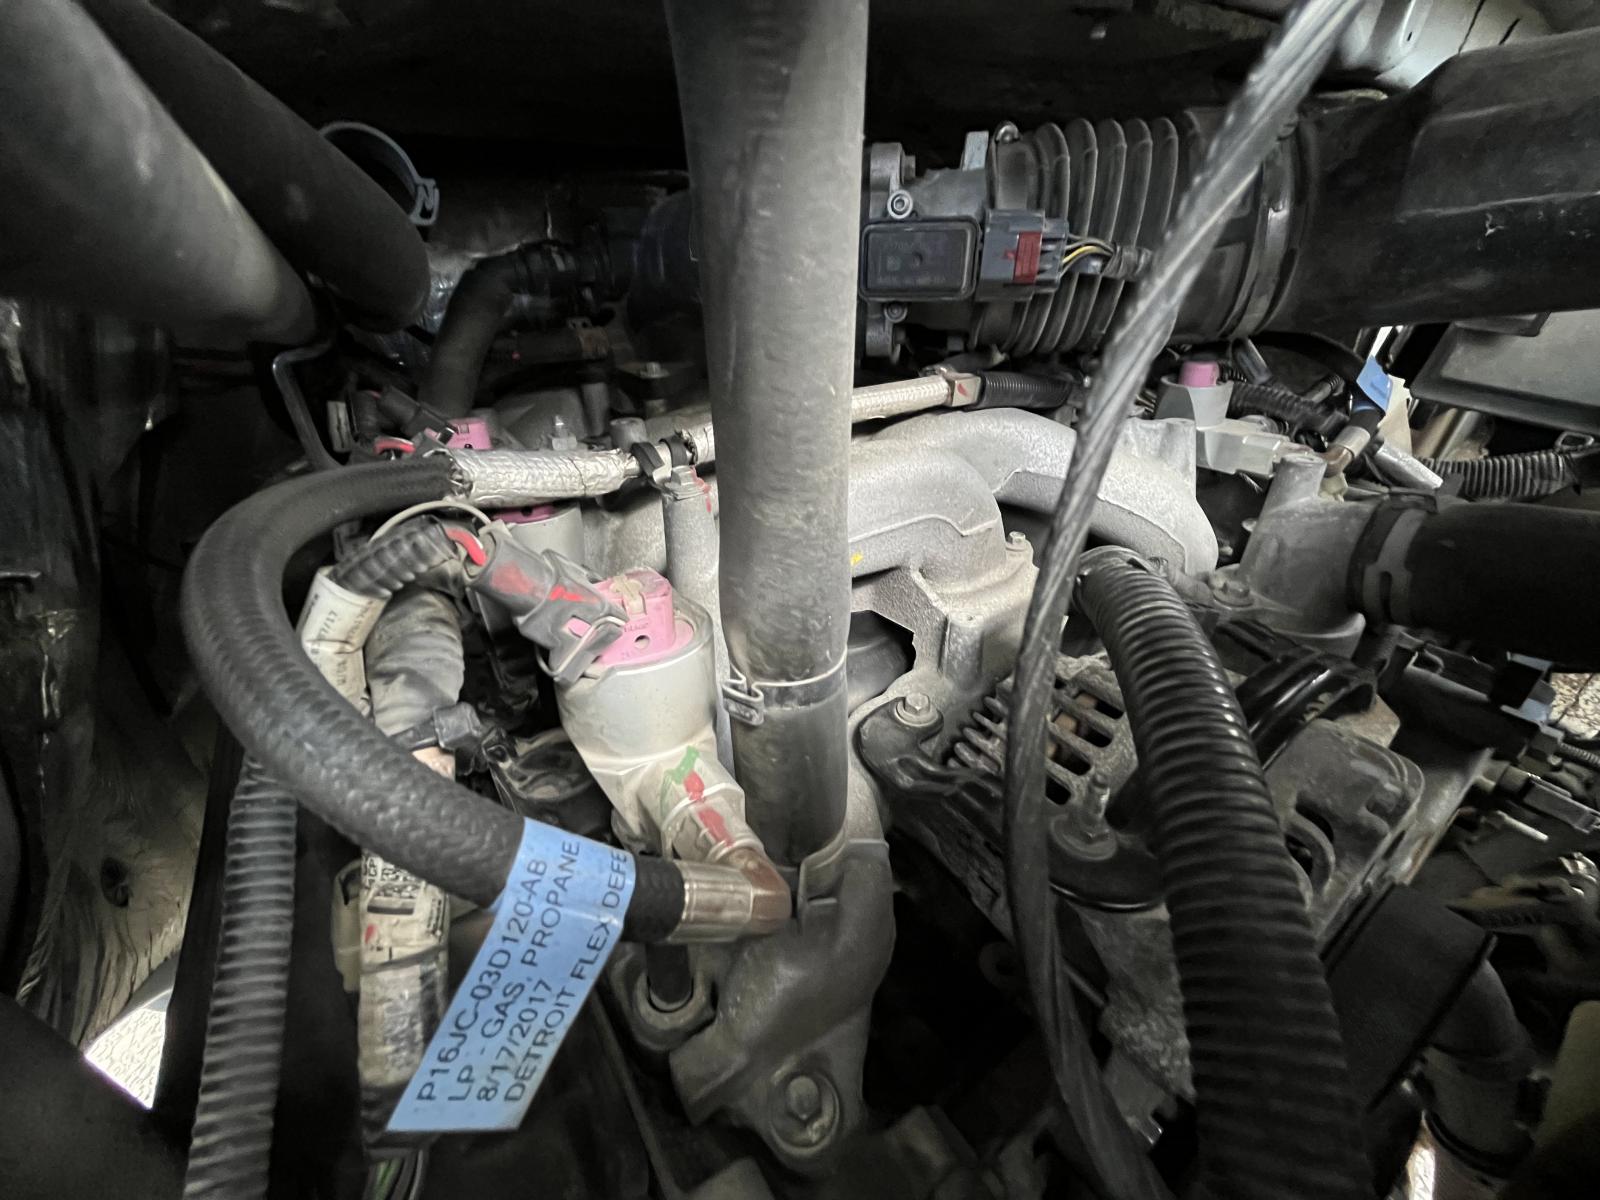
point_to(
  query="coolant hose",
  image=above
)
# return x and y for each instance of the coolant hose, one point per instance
(109, 207)
(478, 309)
(1475, 1067)
(772, 96)
(323, 212)
(1272, 1093)
(1529, 475)
(309, 738)
(231, 1148)
(1511, 576)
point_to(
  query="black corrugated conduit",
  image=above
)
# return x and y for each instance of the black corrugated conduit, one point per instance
(1291, 62)
(1015, 389)
(1272, 1093)
(1530, 475)
(1284, 404)
(231, 1148)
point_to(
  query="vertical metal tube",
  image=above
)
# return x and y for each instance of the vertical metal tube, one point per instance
(689, 521)
(772, 94)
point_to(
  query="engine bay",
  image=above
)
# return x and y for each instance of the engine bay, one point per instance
(822, 614)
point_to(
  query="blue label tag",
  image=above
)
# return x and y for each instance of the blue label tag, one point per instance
(555, 925)
(1375, 384)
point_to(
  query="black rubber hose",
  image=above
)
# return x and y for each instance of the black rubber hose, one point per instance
(1504, 575)
(772, 97)
(1013, 389)
(309, 737)
(1283, 404)
(1272, 1092)
(478, 309)
(108, 205)
(231, 1149)
(1320, 349)
(1475, 1067)
(1529, 475)
(326, 215)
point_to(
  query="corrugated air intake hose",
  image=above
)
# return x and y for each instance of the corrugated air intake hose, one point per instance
(1272, 1095)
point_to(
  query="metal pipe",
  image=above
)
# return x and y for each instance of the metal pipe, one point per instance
(326, 215)
(110, 207)
(772, 96)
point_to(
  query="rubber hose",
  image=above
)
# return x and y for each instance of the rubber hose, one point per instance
(1272, 1092)
(1320, 349)
(304, 733)
(109, 207)
(1529, 475)
(772, 96)
(231, 1149)
(323, 212)
(1503, 575)
(478, 310)
(1475, 1067)
(1013, 389)
(1284, 404)
(472, 320)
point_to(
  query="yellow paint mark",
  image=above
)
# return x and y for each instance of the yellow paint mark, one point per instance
(855, 559)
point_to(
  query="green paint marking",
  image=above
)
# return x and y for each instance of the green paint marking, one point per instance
(672, 781)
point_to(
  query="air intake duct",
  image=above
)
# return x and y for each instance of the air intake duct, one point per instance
(1464, 197)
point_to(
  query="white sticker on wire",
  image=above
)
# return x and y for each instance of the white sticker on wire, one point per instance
(555, 925)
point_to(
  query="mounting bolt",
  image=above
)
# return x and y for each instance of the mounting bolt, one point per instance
(916, 710)
(802, 1097)
(895, 312)
(1084, 825)
(1017, 540)
(1231, 590)
(805, 1111)
(900, 204)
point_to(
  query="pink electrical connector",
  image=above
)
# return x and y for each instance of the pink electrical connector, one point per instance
(652, 630)
(1200, 372)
